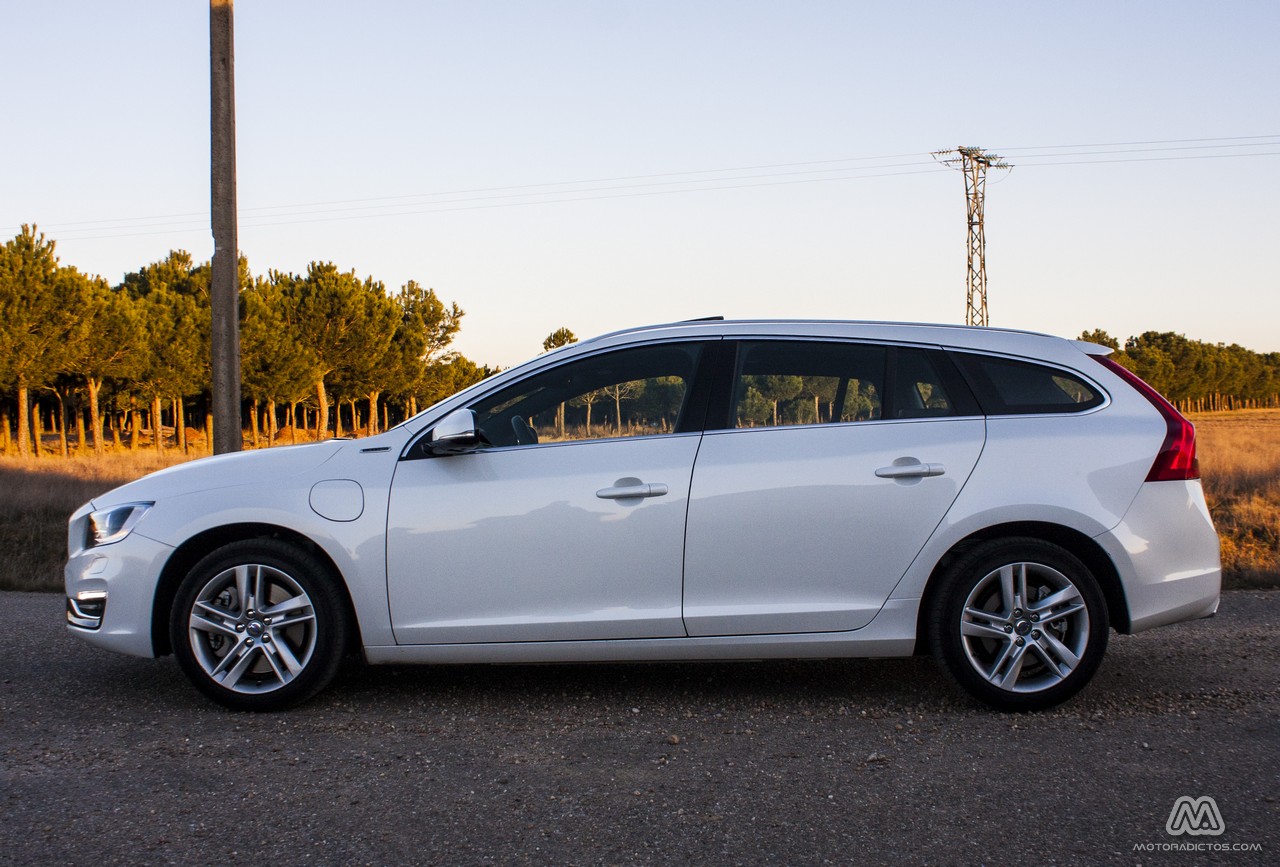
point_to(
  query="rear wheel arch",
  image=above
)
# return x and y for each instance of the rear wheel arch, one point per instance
(192, 551)
(1085, 549)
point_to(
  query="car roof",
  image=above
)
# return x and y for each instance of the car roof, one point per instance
(1003, 340)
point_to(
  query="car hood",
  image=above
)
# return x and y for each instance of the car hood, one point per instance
(223, 471)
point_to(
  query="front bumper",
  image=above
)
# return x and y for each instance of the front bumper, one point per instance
(1168, 555)
(110, 593)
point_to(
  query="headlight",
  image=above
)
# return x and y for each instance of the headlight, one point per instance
(112, 525)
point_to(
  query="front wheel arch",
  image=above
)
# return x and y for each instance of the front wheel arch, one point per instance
(192, 551)
(260, 624)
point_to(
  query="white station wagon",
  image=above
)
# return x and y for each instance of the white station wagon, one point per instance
(704, 490)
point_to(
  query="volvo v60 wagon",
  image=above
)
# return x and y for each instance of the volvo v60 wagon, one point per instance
(705, 490)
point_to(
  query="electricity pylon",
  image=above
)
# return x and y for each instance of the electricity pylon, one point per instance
(973, 163)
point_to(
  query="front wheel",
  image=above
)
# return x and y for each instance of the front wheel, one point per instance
(259, 625)
(1019, 624)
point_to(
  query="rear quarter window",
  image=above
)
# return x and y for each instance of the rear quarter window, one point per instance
(1005, 386)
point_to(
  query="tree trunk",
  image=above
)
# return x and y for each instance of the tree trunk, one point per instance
(82, 438)
(386, 420)
(337, 418)
(24, 419)
(4, 431)
(179, 424)
(62, 422)
(37, 427)
(253, 421)
(322, 410)
(271, 422)
(373, 412)
(208, 430)
(617, 410)
(293, 422)
(157, 437)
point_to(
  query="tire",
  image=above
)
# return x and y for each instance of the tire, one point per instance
(1019, 624)
(250, 656)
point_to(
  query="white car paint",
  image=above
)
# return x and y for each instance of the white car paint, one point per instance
(814, 541)
(766, 542)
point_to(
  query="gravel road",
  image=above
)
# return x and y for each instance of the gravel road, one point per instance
(106, 759)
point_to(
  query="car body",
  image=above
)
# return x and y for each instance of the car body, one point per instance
(699, 490)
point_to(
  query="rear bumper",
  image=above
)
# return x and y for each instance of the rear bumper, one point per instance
(1168, 556)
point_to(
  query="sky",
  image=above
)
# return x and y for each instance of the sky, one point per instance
(600, 165)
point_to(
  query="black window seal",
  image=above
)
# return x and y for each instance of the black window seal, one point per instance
(715, 380)
(962, 397)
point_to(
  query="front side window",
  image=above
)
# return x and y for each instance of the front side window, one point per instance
(640, 391)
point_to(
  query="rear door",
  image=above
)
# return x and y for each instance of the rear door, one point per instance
(838, 462)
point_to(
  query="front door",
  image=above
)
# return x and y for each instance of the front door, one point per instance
(569, 526)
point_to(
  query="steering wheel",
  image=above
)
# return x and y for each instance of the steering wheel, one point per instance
(525, 435)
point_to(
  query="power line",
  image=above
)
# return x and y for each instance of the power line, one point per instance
(681, 182)
(512, 187)
(1155, 159)
(1123, 143)
(524, 204)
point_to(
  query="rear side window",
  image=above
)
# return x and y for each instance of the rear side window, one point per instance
(919, 391)
(783, 382)
(1008, 387)
(787, 383)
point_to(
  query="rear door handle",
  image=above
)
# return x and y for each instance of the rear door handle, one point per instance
(627, 492)
(910, 471)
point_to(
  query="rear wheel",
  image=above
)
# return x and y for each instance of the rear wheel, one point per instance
(1019, 624)
(259, 625)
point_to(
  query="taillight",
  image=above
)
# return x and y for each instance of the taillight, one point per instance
(1177, 458)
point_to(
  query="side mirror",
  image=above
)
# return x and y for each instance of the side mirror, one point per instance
(454, 434)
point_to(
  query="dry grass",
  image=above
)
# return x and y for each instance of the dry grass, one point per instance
(38, 497)
(1239, 456)
(1240, 461)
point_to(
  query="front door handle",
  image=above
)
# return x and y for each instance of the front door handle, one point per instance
(634, 490)
(910, 471)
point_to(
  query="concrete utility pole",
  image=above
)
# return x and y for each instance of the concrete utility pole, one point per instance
(225, 290)
(973, 162)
